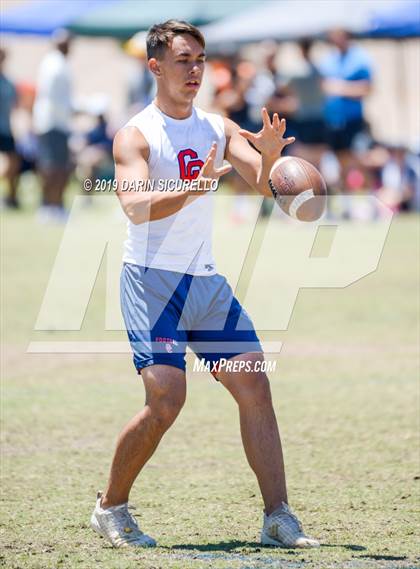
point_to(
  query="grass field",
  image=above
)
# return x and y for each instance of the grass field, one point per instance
(346, 396)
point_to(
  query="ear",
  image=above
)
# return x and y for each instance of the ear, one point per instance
(154, 66)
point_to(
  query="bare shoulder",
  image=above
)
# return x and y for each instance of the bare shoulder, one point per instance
(129, 145)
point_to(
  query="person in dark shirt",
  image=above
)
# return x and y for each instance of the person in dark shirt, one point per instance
(308, 117)
(8, 98)
(94, 152)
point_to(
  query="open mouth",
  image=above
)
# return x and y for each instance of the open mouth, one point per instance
(193, 83)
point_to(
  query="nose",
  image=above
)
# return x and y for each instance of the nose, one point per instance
(195, 69)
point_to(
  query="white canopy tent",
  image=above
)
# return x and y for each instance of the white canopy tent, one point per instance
(290, 19)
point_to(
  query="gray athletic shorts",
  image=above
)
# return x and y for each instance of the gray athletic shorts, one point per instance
(53, 149)
(165, 311)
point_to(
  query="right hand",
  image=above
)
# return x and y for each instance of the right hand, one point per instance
(209, 172)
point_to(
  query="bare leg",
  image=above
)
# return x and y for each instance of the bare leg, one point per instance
(47, 178)
(61, 186)
(259, 430)
(54, 182)
(165, 395)
(12, 175)
(347, 162)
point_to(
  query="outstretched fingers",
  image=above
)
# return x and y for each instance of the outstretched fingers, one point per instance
(279, 125)
(223, 170)
(248, 135)
(209, 170)
(212, 153)
(282, 128)
(265, 118)
(208, 163)
(289, 140)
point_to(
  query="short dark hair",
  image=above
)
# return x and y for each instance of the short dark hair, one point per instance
(160, 36)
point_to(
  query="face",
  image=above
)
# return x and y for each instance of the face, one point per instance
(181, 69)
(339, 38)
(66, 47)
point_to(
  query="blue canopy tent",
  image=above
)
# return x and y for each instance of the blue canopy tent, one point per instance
(401, 20)
(42, 17)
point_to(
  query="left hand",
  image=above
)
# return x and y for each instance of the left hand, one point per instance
(269, 141)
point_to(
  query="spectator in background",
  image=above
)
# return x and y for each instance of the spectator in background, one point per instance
(281, 100)
(232, 101)
(8, 98)
(141, 85)
(309, 100)
(399, 180)
(93, 148)
(26, 140)
(347, 81)
(52, 123)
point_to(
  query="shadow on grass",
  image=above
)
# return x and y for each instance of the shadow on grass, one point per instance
(220, 546)
(384, 557)
(350, 546)
(225, 546)
(370, 555)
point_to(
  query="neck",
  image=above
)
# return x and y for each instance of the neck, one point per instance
(173, 109)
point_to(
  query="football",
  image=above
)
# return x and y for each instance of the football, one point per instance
(298, 188)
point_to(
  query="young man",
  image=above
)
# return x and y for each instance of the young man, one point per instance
(171, 293)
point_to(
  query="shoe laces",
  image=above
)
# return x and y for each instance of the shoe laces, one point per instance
(122, 519)
(286, 512)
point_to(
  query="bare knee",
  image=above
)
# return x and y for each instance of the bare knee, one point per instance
(165, 408)
(255, 390)
(249, 387)
(165, 396)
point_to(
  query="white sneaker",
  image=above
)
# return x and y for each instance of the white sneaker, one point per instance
(118, 526)
(52, 214)
(282, 528)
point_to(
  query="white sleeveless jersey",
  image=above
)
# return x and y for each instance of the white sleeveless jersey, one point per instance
(181, 242)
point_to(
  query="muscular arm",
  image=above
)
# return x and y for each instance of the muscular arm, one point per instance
(255, 168)
(131, 153)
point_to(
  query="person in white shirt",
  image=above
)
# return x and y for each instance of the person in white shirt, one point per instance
(171, 293)
(52, 123)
